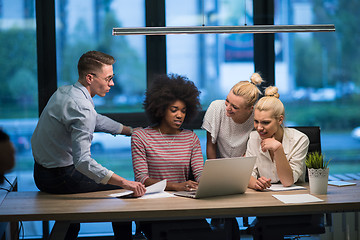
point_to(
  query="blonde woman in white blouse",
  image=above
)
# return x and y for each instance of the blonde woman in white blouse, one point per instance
(229, 122)
(280, 151)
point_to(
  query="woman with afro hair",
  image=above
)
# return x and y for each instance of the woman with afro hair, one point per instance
(164, 150)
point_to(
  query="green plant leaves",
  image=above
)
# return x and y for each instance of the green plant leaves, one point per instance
(316, 160)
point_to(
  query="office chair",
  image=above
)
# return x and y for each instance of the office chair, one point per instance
(281, 226)
(313, 133)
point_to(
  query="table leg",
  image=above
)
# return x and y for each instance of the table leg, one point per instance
(59, 230)
(14, 230)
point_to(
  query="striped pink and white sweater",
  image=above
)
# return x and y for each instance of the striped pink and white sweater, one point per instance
(161, 156)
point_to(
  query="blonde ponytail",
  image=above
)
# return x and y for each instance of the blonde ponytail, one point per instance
(248, 90)
(271, 102)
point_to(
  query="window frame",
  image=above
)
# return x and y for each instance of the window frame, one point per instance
(264, 56)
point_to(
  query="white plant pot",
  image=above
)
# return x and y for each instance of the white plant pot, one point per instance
(318, 180)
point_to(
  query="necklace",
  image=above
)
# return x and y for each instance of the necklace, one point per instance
(169, 143)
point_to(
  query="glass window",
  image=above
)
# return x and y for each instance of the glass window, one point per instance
(91, 29)
(215, 62)
(318, 75)
(18, 89)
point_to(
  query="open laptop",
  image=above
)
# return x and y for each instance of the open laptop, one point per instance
(223, 176)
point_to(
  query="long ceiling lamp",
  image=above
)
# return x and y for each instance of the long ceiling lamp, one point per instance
(224, 29)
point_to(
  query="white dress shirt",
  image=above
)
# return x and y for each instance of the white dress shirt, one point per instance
(65, 130)
(295, 145)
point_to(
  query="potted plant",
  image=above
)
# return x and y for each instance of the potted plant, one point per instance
(318, 172)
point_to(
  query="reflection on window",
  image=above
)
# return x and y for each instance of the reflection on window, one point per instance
(318, 75)
(215, 62)
(18, 91)
(91, 29)
(18, 87)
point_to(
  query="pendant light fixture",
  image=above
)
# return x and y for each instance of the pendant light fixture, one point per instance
(224, 29)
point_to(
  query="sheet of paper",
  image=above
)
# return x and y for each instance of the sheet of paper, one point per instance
(153, 191)
(297, 198)
(156, 187)
(121, 194)
(341, 183)
(280, 187)
(162, 194)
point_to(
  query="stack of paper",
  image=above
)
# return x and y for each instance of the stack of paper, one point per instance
(156, 190)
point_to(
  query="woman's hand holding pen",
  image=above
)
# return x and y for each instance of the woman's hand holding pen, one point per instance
(262, 183)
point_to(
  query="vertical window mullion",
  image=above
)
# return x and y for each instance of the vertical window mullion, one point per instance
(46, 51)
(155, 45)
(264, 53)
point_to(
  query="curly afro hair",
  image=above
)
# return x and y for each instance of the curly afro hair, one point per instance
(165, 90)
